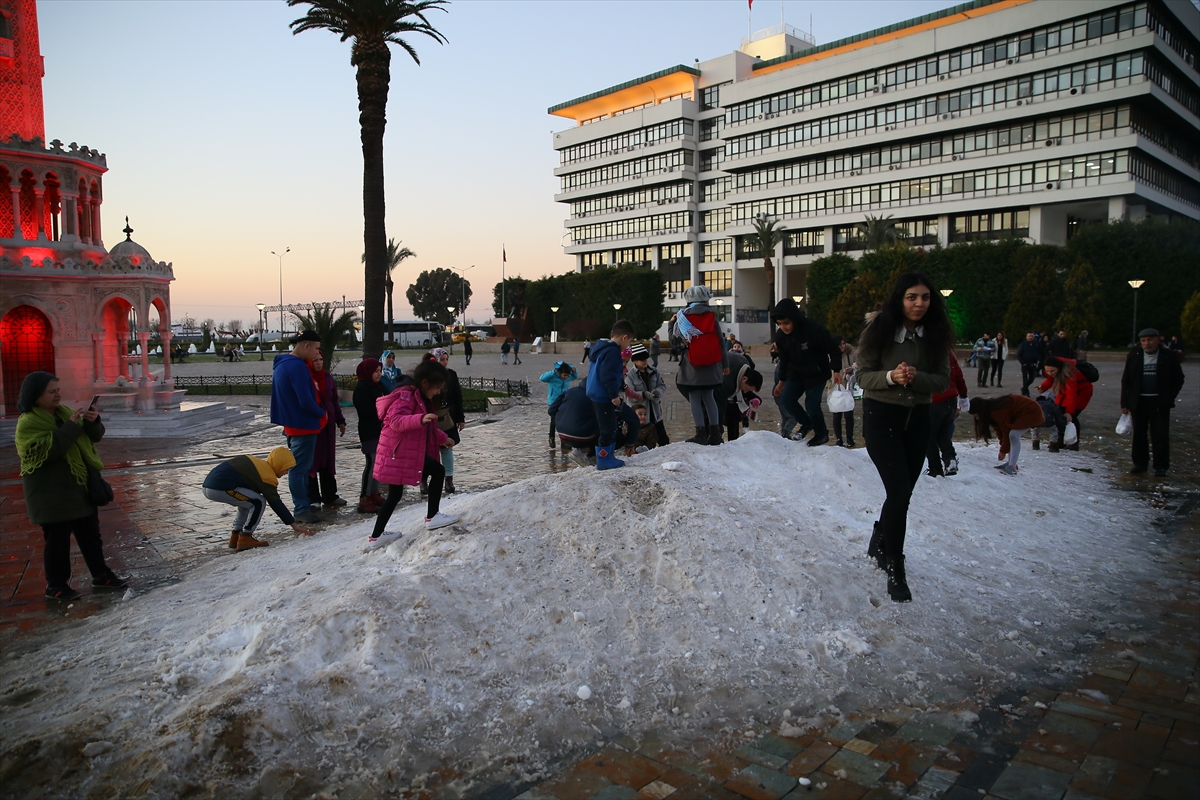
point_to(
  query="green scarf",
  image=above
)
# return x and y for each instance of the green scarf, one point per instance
(35, 436)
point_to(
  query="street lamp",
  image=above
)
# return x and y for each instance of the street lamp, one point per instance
(616, 311)
(463, 275)
(280, 257)
(1136, 285)
(947, 292)
(362, 313)
(554, 327)
(262, 323)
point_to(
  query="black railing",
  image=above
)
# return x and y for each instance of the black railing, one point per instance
(261, 384)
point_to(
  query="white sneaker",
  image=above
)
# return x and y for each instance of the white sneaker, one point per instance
(952, 467)
(440, 520)
(641, 448)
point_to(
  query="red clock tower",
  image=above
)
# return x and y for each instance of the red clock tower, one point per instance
(21, 71)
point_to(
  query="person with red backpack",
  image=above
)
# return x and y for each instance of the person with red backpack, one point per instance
(808, 357)
(704, 361)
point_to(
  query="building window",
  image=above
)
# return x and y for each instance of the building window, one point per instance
(710, 129)
(990, 225)
(591, 261)
(630, 228)
(626, 170)
(747, 247)
(719, 281)
(675, 264)
(676, 129)
(710, 97)
(716, 250)
(711, 159)
(917, 232)
(637, 256)
(802, 243)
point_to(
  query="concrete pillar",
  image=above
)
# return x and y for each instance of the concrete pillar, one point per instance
(165, 337)
(1116, 209)
(39, 213)
(16, 201)
(98, 355)
(828, 241)
(1035, 224)
(781, 281)
(144, 341)
(944, 230)
(96, 239)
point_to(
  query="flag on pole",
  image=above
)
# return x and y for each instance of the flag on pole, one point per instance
(750, 4)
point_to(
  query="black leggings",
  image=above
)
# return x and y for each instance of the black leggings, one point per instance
(848, 416)
(436, 475)
(56, 549)
(897, 439)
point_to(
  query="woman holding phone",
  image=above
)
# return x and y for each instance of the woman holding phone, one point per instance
(57, 449)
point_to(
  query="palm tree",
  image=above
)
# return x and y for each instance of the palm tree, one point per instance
(879, 232)
(331, 329)
(395, 254)
(372, 25)
(768, 233)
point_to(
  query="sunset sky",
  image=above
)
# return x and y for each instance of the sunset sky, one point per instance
(228, 137)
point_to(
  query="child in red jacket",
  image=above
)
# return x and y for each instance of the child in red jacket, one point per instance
(1072, 393)
(408, 445)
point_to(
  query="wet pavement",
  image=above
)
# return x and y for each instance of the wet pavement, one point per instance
(1130, 728)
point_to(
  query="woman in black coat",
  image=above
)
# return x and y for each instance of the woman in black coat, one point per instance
(366, 392)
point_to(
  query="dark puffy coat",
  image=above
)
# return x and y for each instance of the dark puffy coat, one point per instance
(807, 354)
(365, 394)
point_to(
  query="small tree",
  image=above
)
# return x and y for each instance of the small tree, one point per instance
(1084, 306)
(846, 314)
(1189, 322)
(827, 277)
(1035, 302)
(768, 233)
(330, 327)
(434, 291)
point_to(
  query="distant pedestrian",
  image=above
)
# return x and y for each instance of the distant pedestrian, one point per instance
(409, 446)
(367, 390)
(703, 362)
(849, 361)
(505, 347)
(587, 350)
(903, 360)
(250, 484)
(999, 353)
(295, 406)
(655, 349)
(452, 417)
(1029, 356)
(1081, 346)
(322, 475)
(557, 381)
(57, 448)
(1060, 346)
(1010, 415)
(516, 351)
(645, 381)
(944, 408)
(390, 376)
(1149, 385)
(468, 350)
(984, 348)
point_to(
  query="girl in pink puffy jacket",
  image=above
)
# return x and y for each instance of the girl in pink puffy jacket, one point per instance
(408, 445)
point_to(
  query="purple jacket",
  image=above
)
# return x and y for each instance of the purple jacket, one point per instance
(405, 441)
(323, 458)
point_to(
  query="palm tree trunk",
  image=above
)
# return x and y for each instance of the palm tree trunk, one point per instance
(373, 62)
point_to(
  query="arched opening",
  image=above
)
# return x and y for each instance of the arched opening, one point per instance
(51, 205)
(94, 212)
(29, 225)
(25, 346)
(84, 218)
(120, 327)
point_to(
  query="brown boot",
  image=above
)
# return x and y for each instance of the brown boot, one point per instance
(233, 537)
(1054, 447)
(247, 542)
(1074, 447)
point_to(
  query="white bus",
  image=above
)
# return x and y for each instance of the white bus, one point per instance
(414, 332)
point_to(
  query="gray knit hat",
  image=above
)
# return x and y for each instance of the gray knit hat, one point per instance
(697, 293)
(35, 383)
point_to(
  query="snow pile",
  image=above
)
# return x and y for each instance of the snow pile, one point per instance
(711, 596)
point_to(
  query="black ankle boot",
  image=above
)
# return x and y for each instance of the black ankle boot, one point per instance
(714, 434)
(701, 436)
(897, 581)
(875, 548)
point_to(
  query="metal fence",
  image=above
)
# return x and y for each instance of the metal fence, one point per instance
(261, 384)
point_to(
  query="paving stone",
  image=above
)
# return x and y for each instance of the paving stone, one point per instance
(861, 746)
(1158, 683)
(924, 732)
(1182, 752)
(1028, 782)
(983, 772)
(657, 790)
(787, 749)
(908, 767)
(623, 767)
(860, 769)
(933, 784)
(845, 731)
(1133, 747)
(756, 756)
(961, 793)
(1109, 778)
(1187, 712)
(1090, 709)
(759, 783)
(877, 731)
(888, 791)
(1075, 727)
(1174, 781)
(700, 789)
(1048, 761)
(615, 793)
(575, 784)
(827, 787)
(1059, 745)
(811, 759)
(955, 757)
(536, 793)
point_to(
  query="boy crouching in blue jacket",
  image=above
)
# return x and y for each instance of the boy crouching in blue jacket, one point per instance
(557, 381)
(604, 390)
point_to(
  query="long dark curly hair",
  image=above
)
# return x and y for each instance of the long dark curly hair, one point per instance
(939, 332)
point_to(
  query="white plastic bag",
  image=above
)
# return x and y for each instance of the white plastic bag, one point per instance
(1124, 425)
(840, 400)
(1071, 435)
(964, 404)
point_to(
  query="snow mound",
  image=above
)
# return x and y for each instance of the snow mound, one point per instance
(575, 606)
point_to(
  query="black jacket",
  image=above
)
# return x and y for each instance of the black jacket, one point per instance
(807, 354)
(365, 395)
(1060, 347)
(1170, 377)
(1029, 353)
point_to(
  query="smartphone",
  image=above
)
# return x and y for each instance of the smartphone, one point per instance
(95, 399)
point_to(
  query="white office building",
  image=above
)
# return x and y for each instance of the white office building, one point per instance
(994, 118)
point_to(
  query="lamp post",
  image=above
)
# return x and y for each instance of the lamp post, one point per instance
(718, 302)
(1136, 285)
(463, 274)
(262, 324)
(362, 311)
(554, 327)
(947, 292)
(280, 257)
(616, 311)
